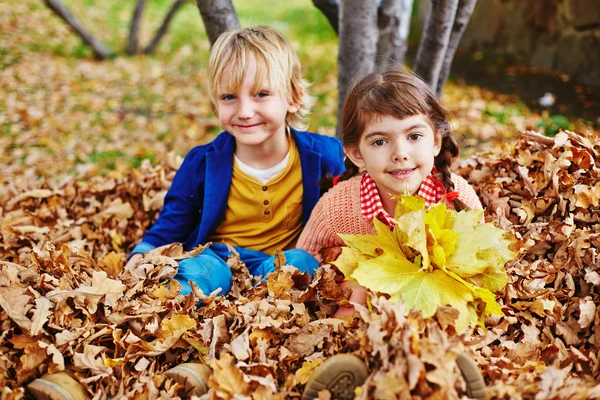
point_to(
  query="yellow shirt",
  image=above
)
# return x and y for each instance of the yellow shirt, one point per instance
(264, 217)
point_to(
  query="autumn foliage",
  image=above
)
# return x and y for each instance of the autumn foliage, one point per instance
(66, 302)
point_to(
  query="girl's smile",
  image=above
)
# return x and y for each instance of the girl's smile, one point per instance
(402, 173)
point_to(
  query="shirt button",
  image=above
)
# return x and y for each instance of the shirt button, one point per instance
(267, 212)
(264, 188)
(266, 202)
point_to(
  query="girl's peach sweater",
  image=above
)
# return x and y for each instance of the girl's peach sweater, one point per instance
(338, 212)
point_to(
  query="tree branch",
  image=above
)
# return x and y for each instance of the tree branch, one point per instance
(163, 27)
(463, 15)
(100, 50)
(436, 34)
(331, 10)
(134, 28)
(218, 16)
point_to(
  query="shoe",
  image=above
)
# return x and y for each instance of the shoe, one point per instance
(472, 376)
(339, 374)
(192, 376)
(58, 386)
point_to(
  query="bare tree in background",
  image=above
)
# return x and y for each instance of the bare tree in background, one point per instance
(134, 28)
(444, 27)
(163, 27)
(373, 33)
(358, 42)
(463, 15)
(218, 16)
(432, 50)
(393, 20)
(100, 50)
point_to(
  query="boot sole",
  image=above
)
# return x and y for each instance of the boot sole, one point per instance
(340, 374)
(58, 386)
(472, 376)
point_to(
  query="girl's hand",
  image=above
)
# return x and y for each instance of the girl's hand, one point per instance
(358, 296)
(133, 261)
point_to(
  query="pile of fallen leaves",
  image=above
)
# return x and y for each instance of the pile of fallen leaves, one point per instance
(547, 192)
(67, 302)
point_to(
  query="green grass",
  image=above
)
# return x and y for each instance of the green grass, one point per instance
(503, 115)
(553, 124)
(106, 160)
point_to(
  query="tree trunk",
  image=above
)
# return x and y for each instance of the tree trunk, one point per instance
(436, 34)
(100, 50)
(358, 43)
(463, 15)
(330, 8)
(163, 27)
(134, 28)
(394, 24)
(218, 16)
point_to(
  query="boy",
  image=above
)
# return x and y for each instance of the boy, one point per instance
(254, 186)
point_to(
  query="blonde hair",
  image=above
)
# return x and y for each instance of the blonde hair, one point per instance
(276, 63)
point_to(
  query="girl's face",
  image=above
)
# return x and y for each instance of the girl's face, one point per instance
(397, 153)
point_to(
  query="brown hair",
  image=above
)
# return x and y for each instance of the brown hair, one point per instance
(276, 63)
(398, 94)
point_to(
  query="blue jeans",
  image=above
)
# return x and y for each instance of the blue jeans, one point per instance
(209, 271)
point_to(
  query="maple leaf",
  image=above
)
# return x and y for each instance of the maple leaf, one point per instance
(434, 257)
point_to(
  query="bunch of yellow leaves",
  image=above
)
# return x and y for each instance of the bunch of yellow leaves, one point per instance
(433, 257)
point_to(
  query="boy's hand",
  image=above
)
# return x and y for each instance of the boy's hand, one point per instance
(133, 261)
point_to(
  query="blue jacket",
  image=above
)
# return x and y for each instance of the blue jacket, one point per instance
(195, 204)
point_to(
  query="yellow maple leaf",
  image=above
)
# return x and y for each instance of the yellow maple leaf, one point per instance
(479, 247)
(434, 257)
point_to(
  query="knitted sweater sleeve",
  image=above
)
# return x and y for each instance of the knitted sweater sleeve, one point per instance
(466, 193)
(319, 231)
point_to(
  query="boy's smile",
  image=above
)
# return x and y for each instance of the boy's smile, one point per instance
(398, 154)
(256, 116)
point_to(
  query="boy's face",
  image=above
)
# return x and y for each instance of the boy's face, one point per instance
(397, 153)
(256, 120)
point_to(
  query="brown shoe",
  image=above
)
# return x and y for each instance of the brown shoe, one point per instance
(58, 386)
(472, 376)
(339, 374)
(192, 376)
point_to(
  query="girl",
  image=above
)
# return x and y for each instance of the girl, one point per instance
(397, 140)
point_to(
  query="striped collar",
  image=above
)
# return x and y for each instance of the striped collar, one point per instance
(432, 190)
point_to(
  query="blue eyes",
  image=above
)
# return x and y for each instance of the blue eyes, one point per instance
(230, 97)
